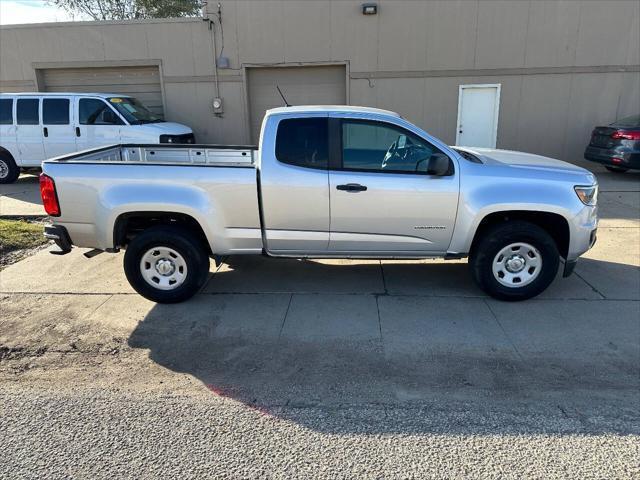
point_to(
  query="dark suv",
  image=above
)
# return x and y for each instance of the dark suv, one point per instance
(617, 146)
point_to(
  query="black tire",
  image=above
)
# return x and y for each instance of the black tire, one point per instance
(193, 252)
(501, 236)
(9, 171)
(616, 169)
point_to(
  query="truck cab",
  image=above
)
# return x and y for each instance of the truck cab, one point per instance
(347, 182)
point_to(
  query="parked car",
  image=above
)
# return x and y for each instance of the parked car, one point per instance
(342, 182)
(37, 126)
(616, 146)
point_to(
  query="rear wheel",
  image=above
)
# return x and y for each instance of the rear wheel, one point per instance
(166, 264)
(515, 261)
(9, 171)
(616, 169)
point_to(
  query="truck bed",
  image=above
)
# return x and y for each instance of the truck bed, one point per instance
(167, 154)
(215, 185)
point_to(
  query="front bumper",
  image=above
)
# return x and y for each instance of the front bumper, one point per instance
(61, 238)
(570, 265)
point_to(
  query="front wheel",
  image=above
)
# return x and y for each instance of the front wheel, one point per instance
(166, 264)
(514, 261)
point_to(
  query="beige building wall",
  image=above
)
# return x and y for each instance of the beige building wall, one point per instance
(564, 66)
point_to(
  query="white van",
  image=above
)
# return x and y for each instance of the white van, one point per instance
(37, 126)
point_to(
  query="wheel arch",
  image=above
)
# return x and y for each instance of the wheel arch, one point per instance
(6, 151)
(128, 225)
(554, 224)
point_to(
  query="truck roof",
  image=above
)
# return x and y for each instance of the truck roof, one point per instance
(65, 94)
(330, 108)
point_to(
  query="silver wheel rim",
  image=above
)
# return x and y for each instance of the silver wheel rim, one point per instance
(163, 268)
(517, 265)
(4, 169)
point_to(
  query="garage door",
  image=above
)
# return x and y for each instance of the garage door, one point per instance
(140, 82)
(321, 85)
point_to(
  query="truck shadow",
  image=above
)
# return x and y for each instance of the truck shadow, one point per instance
(237, 346)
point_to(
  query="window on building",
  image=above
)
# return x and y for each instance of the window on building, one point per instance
(27, 111)
(55, 111)
(6, 111)
(303, 142)
(376, 146)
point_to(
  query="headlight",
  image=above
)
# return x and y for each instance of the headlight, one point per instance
(587, 195)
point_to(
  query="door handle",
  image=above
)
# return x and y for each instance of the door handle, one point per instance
(77, 131)
(352, 187)
(46, 131)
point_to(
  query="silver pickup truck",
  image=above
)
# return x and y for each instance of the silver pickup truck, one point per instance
(326, 182)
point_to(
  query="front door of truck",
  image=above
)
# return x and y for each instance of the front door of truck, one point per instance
(383, 201)
(294, 185)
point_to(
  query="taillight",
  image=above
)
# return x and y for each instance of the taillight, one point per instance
(622, 135)
(49, 195)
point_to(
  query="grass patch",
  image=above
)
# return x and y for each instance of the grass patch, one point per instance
(19, 235)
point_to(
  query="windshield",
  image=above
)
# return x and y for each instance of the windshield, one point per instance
(133, 111)
(632, 121)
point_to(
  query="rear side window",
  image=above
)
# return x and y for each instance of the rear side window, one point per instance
(303, 142)
(6, 111)
(27, 111)
(55, 111)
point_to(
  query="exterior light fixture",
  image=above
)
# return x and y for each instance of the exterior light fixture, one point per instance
(369, 8)
(218, 109)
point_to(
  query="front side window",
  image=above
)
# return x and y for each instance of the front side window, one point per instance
(93, 111)
(303, 142)
(134, 111)
(6, 111)
(376, 146)
(27, 111)
(55, 111)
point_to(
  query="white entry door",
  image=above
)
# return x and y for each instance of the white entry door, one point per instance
(478, 107)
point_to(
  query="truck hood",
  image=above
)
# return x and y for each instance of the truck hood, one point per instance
(492, 156)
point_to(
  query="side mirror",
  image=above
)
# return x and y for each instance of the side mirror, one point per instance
(438, 165)
(109, 117)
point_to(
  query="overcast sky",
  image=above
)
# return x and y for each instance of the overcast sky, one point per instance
(30, 11)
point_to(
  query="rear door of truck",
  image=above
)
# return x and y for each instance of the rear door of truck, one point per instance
(294, 184)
